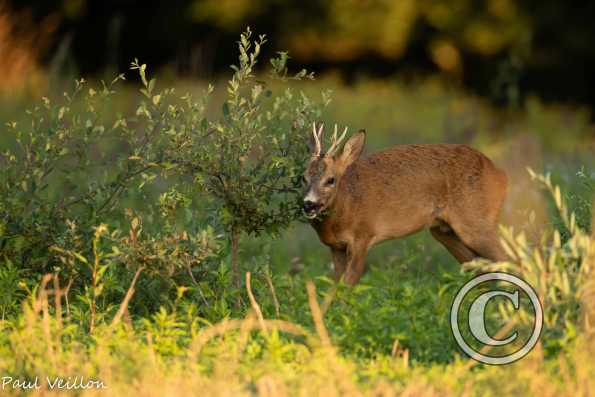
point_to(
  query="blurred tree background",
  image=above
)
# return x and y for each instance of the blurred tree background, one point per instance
(501, 49)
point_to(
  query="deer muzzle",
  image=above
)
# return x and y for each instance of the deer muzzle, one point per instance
(311, 208)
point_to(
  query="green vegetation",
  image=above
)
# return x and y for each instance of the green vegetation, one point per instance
(117, 216)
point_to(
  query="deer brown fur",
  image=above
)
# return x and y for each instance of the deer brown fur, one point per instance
(354, 203)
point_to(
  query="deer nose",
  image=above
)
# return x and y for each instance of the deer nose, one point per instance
(309, 205)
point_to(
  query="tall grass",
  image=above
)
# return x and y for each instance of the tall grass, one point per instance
(174, 352)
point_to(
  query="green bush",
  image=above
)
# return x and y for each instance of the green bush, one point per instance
(151, 181)
(248, 161)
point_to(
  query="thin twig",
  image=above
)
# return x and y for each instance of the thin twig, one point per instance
(66, 291)
(197, 285)
(129, 293)
(120, 187)
(58, 301)
(274, 294)
(317, 315)
(255, 305)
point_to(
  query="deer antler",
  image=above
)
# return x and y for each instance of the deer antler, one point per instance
(336, 142)
(317, 134)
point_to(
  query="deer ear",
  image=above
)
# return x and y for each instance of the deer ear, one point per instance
(353, 148)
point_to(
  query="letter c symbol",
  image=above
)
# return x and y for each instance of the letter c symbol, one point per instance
(477, 317)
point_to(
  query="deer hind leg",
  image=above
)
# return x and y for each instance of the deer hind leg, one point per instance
(453, 244)
(356, 261)
(482, 238)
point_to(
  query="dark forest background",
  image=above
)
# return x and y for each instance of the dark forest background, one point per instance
(501, 49)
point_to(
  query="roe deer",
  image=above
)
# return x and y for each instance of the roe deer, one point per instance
(353, 203)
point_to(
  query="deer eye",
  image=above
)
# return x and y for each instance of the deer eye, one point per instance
(330, 181)
(304, 180)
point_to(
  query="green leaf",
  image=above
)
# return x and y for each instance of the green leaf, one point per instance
(151, 85)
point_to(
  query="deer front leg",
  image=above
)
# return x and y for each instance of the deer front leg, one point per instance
(356, 261)
(339, 262)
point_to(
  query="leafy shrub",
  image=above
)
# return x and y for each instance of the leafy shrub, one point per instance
(77, 165)
(249, 161)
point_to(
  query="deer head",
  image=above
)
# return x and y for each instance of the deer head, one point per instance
(325, 170)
